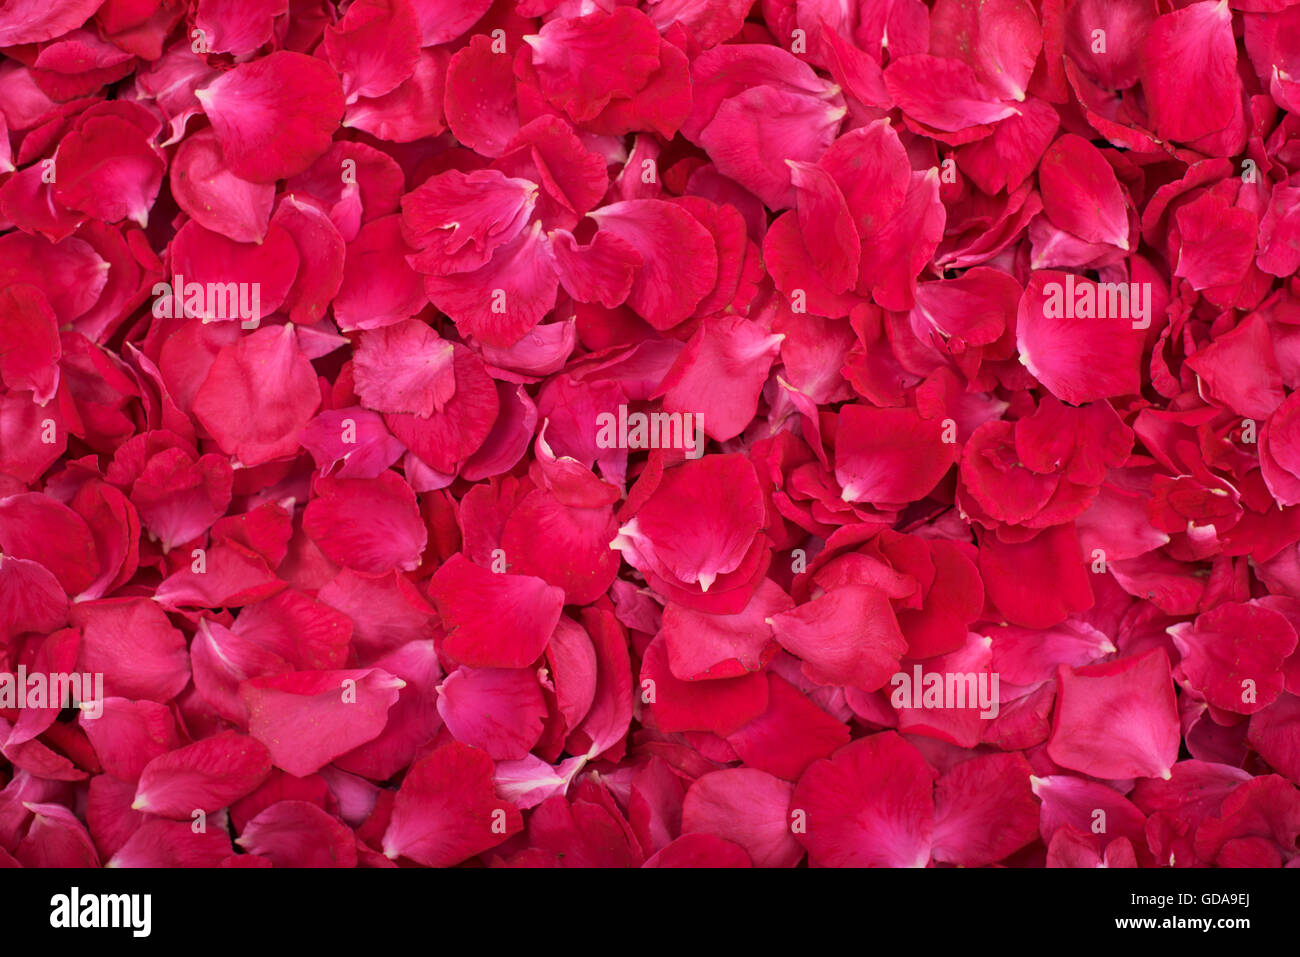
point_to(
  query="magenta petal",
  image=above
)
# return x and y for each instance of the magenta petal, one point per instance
(308, 718)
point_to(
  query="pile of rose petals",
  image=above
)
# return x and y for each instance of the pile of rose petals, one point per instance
(330, 333)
